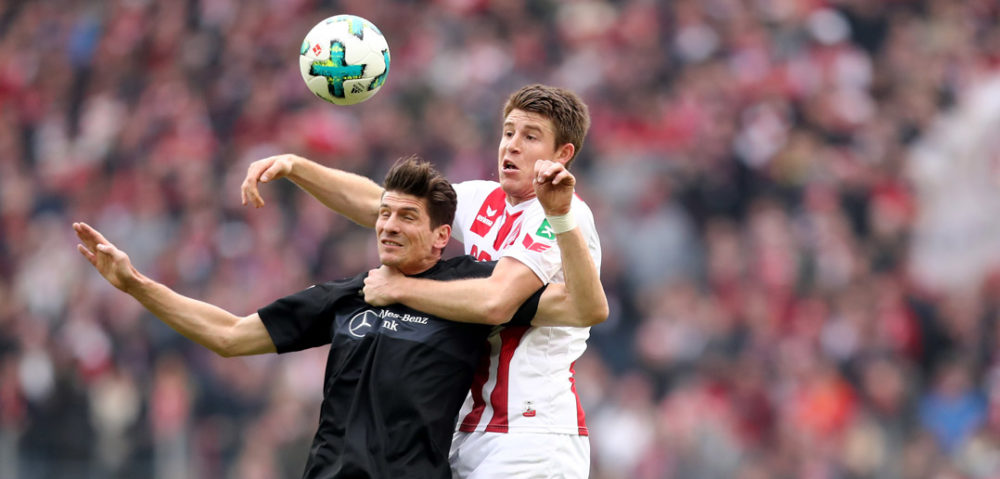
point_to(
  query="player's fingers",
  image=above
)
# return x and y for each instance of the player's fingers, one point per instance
(542, 171)
(253, 195)
(87, 254)
(113, 252)
(556, 178)
(367, 292)
(563, 177)
(80, 233)
(106, 248)
(248, 189)
(88, 235)
(551, 168)
(250, 192)
(276, 169)
(554, 167)
(244, 194)
(553, 174)
(98, 237)
(254, 171)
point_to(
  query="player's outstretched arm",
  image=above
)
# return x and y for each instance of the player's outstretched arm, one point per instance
(203, 323)
(581, 300)
(351, 195)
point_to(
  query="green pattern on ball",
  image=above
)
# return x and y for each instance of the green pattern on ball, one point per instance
(355, 25)
(336, 70)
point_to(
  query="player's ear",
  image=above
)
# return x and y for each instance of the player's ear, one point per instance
(565, 152)
(441, 236)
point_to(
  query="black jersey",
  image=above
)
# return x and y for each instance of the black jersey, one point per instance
(395, 377)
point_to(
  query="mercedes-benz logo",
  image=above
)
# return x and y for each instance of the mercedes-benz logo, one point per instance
(361, 323)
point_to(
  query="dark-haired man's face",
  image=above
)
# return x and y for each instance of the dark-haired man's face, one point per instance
(406, 240)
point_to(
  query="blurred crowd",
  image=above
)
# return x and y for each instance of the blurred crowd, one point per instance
(796, 201)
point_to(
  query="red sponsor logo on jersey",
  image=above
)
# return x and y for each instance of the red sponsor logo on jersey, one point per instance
(533, 245)
(490, 210)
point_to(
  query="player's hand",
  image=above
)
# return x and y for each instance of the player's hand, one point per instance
(264, 171)
(380, 285)
(554, 187)
(113, 264)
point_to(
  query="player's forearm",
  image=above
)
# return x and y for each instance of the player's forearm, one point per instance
(582, 280)
(351, 195)
(201, 322)
(581, 300)
(467, 301)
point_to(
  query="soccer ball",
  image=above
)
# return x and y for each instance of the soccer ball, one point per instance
(344, 59)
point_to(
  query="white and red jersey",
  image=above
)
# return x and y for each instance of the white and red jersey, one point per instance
(526, 384)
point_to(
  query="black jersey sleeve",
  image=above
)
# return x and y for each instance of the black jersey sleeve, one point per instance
(460, 267)
(528, 308)
(304, 320)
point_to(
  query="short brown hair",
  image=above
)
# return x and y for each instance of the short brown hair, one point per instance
(567, 112)
(416, 177)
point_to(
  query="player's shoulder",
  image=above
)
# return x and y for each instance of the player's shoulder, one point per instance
(347, 282)
(344, 286)
(582, 211)
(465, 266)
(580, 204)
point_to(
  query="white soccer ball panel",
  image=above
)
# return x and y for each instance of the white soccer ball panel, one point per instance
(375, 41)
(374, 64)
(356, 91)
(318, 85)
(355, 50)
(318, 40)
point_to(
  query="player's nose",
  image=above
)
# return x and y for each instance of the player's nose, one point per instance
(391, 225)
(513, 144)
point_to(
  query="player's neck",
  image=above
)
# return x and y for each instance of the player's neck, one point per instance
(419, 267)
(515, 200)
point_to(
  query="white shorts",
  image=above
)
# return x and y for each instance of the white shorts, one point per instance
(487, 455)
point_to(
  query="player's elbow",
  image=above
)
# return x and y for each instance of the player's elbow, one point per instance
(225, 347)
(229, 344)
(592, 311)
(225, 353)
(597, 314)
(496, 312)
